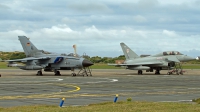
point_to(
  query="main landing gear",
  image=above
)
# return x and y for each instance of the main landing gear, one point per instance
(57, 73)
(157, 72)
(139, 72)
(39, 73)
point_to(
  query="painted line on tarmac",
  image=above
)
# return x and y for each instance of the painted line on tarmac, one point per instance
(57, 79)
(77, 89)
(48, 95)
(31, 80)
(110, 80)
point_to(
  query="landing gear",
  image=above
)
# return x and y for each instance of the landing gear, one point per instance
(139, 72)
(57, 73)
(157, 72)
(39, 73)
(73, 74)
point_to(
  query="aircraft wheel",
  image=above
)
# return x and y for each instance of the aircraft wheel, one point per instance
(57, 73)
(39, 73)
(157, 72)
(139, 72)
(73, 74)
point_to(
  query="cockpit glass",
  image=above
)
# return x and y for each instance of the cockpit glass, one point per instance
(172, 53)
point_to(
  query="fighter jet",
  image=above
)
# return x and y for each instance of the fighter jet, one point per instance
(163, 61)
(37, 60)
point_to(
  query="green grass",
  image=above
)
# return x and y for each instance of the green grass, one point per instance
(111, 107)
(3, 65)
(191, 66)
(197, 100)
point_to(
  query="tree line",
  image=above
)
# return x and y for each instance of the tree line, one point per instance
(94, 59)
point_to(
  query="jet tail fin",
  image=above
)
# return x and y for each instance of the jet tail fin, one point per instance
(29, 49)
(129, 54)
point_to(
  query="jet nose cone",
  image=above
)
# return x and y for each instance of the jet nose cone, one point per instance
(86, 63)
(188, 58)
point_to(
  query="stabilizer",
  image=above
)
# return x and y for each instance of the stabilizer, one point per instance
(129, 54)
(29, 49)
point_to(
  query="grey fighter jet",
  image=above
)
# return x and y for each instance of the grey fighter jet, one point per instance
(163, 61)
(37, 60)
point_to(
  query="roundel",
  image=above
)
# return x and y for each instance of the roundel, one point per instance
(127, 50)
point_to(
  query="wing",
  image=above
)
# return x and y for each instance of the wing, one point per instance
(28, 59)
(136, 64)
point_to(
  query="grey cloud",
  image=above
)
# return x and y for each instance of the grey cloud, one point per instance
(3, 7)
(141, 6)
(86, 7)
(60, 39)
(103, 23)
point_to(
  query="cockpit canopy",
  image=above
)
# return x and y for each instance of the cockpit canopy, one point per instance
(172, 53)
(71, 54)
(165, 53)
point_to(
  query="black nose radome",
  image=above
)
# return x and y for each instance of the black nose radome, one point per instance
(86, 63)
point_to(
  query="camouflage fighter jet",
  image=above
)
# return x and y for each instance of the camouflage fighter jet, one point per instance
(37, 60)
(163, 61)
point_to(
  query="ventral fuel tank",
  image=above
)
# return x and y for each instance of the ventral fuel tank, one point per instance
(139, 68)
(31, 67)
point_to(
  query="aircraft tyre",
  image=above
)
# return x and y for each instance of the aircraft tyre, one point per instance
(39, 73)
(73, 74)
(57, 73)
(157, 72)
(139, 72)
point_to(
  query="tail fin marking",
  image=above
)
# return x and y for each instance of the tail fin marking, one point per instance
(29, 49)
(129, 54)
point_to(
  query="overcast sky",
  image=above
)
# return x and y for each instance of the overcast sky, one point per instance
(98, 26)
